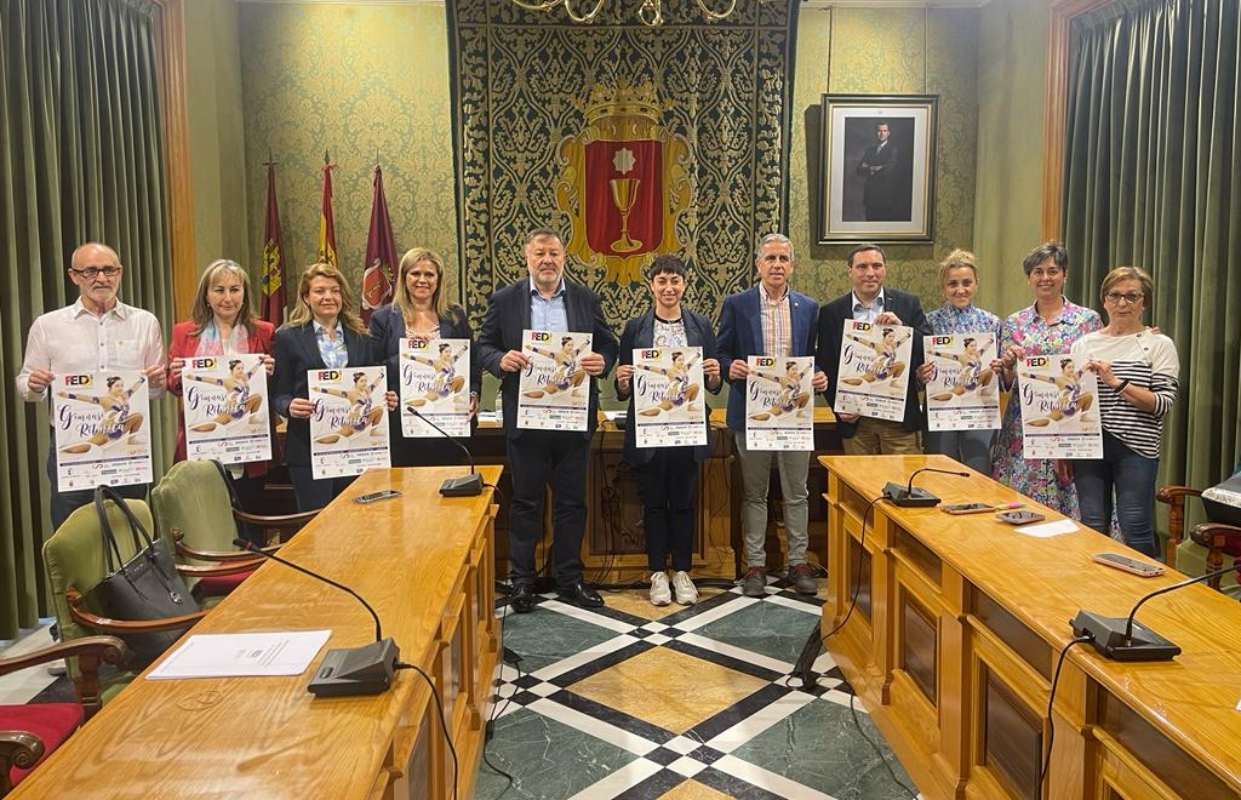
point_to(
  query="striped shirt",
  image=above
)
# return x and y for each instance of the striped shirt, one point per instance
(1144, 359)
(777, 322)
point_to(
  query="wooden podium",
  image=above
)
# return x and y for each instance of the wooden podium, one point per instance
(426, 565)
(956, 631)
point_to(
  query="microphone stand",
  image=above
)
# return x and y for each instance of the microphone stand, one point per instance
(908, 497)
(346, 672)
(1126, 639)
(469, 486)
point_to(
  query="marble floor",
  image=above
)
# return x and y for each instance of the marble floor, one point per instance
(634, 701)
(24, 685)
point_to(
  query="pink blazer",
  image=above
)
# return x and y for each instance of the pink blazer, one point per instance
(184, 345)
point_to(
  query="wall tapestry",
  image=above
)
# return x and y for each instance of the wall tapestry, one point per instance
(632, 141)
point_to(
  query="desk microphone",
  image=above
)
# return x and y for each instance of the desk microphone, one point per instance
(469, 486)
(346, 672)
(908, 497)
(1126, 639)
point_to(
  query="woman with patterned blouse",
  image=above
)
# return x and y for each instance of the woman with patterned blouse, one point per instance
(958, 277)
(1049, 327)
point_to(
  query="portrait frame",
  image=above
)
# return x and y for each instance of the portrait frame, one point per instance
(877, 161)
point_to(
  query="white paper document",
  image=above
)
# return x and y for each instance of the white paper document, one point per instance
(1046, 530)
(233, 655)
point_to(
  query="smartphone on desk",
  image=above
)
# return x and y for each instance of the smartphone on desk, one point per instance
(1126, 564)
(374, 497)
(966, 508)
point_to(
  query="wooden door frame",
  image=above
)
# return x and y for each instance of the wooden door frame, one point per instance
(170, 54)
(1063, 12)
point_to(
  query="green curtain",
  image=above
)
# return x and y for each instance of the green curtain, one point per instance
(81, 159)
(1153, 178)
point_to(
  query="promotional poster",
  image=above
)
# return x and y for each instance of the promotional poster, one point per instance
(668, 403)
(103, 429)
(1059, 414)
(962, 394)
(554, 393)
(874, 370)
(349, 426)
(435, 380)
(226, 415)
(779, 403)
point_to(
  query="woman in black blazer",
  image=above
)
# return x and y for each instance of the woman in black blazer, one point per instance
(323, 332)
(420, 311)
(667, 475)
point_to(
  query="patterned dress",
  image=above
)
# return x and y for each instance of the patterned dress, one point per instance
(1037, 477)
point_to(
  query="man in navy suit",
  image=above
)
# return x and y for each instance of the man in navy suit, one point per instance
(870, 301)
(537, 458)
(769, 320)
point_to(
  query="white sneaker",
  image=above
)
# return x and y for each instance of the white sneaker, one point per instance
(660, 595)
(687, 595)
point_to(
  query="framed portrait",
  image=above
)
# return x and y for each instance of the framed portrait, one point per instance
(877, 168)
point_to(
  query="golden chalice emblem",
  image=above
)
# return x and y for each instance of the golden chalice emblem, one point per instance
(624, 195)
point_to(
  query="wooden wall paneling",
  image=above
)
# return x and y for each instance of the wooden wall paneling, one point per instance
(1056, 105)
(170, 45)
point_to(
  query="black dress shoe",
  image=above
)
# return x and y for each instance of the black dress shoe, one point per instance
(580, 596)
(521, 598)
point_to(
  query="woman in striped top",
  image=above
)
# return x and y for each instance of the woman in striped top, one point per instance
(1138, 371)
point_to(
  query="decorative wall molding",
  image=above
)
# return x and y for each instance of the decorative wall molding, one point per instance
(1063, 12)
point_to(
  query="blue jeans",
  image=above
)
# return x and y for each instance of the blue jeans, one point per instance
(971, 448)
(1132, 477)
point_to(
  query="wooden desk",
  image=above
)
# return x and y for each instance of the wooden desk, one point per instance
(956, 631)
(425, 564)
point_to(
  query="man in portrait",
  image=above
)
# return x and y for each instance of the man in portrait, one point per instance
(878, 167)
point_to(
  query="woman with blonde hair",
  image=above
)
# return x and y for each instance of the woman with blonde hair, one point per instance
(323, 332)
(958, 278)
(1139, 374)
(421, 311)
(222, 323)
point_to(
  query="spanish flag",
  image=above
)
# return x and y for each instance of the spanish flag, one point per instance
(327, 225)
(272, 276)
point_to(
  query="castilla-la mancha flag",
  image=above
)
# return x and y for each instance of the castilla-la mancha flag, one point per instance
(271, 281)
(380, 253)
(327, 224)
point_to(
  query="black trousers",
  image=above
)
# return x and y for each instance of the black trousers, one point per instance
(667, 484)
(538, 459)
(313, 494)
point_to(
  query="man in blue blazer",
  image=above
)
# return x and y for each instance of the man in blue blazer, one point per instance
(871, 301)
(537, 458)
(769, 320)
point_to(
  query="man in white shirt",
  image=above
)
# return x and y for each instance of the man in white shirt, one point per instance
(98, 332)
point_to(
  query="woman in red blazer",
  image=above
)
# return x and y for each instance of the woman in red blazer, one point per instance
(221, 324)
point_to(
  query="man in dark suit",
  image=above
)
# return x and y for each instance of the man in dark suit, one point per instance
(537, 458)
(769, 320)
(878, 167)
(870, 301)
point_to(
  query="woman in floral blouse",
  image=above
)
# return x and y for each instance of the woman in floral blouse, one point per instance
(1049, 327)
(958, 277)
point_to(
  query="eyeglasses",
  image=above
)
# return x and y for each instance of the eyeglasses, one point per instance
(1129, 297)
(90, 273)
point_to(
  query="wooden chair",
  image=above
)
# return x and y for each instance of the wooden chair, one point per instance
(1220, 540)
(29, 733)
(193, 509)
(1174, 496)
(75, 561)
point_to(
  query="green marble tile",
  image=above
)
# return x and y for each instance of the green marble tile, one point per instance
(548, 760)
(766, 628)
(819, 746)
(545, 637)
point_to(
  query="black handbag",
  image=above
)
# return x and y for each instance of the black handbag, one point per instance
(148, 587)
